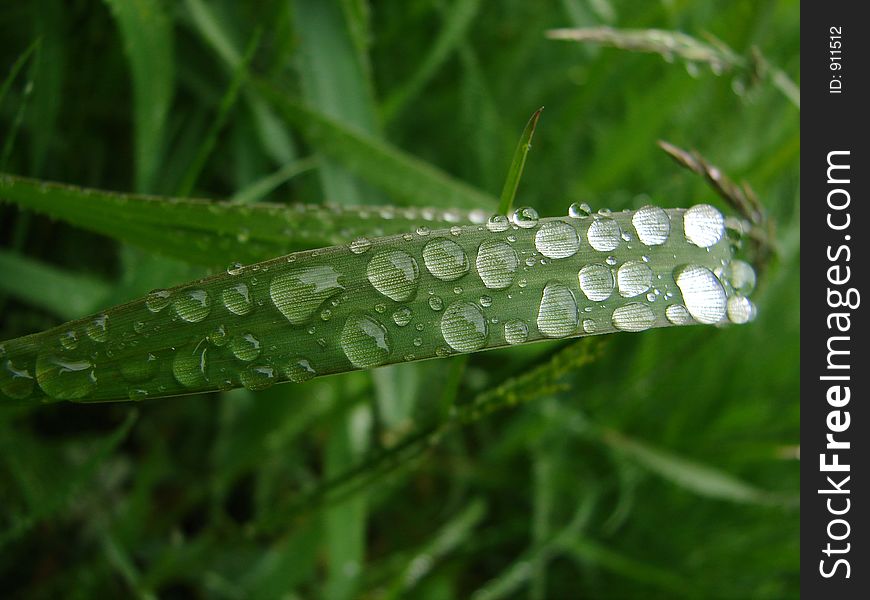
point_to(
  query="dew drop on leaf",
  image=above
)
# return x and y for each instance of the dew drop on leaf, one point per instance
(464, 327)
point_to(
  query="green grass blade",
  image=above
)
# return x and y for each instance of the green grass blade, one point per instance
(518, 163)
(408, 180)
(395, 299)
(16, 67)
(147, 34)
(11, 135)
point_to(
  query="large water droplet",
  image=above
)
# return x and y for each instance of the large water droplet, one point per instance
(464, 327)
(496, 264)
(516, 331)
(557, 315)
(740, 309)
(65, 378)
(299, 292)
(604, 234)
(15, 381)
(556, 239)
(394, 274)
(703, 225)
(633, 317)
(258, 377)
(703, 294)
(525, 217)
(596, 282)
(192, 306)
(445, 259)
(300, 370)
(678, 314)
(237, 299)
(365, 342)
(633, 278)
(98, 328)
(190, 365)
(652, 225)
(245, 347)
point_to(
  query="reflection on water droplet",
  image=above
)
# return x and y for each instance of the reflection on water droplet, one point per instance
(16, 381)
(192, 305)
(237, 299)
(496, 264)
(258, 377)
(604, 234)
(299, 292)
(652, 225)
(557, 314)
(703, 295)
(740, 309)
(157, 300)
(464, 327)
(525, 217)
(633, 278)
(445, 259)
(703, 225)
(300, 370)
(678, 314)
(556, 239)
(633, 317)
(245, 347)
(65, 379)
(516, 331)
(394, 274)
(596, 282)
(365, 342)
(98, 328)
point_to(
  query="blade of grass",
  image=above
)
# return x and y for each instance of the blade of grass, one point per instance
(12, 134)
(518, 163)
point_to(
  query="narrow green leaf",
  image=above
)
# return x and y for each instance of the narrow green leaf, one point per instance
(518, 163)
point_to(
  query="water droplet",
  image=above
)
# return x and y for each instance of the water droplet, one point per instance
(652, 225)
(237, 299)
(137, 394)
(98, 328)
(678, 314)
(496, 264)
(445, 259)
(157, 300)
(235, 268)
(380, 308)
(245, 347)
(418, 341)
(65, 379)
(589, 326)
(557, 315)
(394, 274)
(579, 210)
(436, 303)
(525, 217)
(703, 294)
(703, 225)
(360, 245)
(516, 331)
(299, 292)
(193, 305)
(556, 239)
(300, 370)
(633, 317)
(139, 369)
(365, 342)
(740, 275)
(402, 316)
(422, 231)
(258, 377)
(464, 327)
(497, 223)
(190, 365)
(485, 301)
(69, 340)
(633, 278)
(325, 314)
(218, 336)
(15, 381)
(740, 309)
(596, 282)
(604, 234)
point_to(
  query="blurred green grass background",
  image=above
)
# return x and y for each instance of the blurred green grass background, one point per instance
(666, 468)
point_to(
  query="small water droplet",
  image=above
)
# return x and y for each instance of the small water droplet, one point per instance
(380, 308)
(633, 317)
(633, 278)
(394, 274)
(237, 299)
(604, 234)
(485, 301)
(402, 316)
(98, 328)
(557, 314)
(556, 239)
(258, 377)
(456, 231)
(192, 305)
(464, 327)
(496, 264)
(589, 326)
(652, 225)
(516, 331)
(678, 314)
(740, 309)
(703, 225)
(436, 303)
(299, 370)
(596, 282)
(235, 268)
(16, 381)
(579, 210)
(360, 245)
(445, 259)
(525, 217)
(299, 292)
(157, 300)
(740, 276)
(69, 340)
(497, 223)
(325, 314)
(422, 231)
(245, 347)
(365, 341)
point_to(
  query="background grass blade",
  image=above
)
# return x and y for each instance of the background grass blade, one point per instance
(518, 163)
